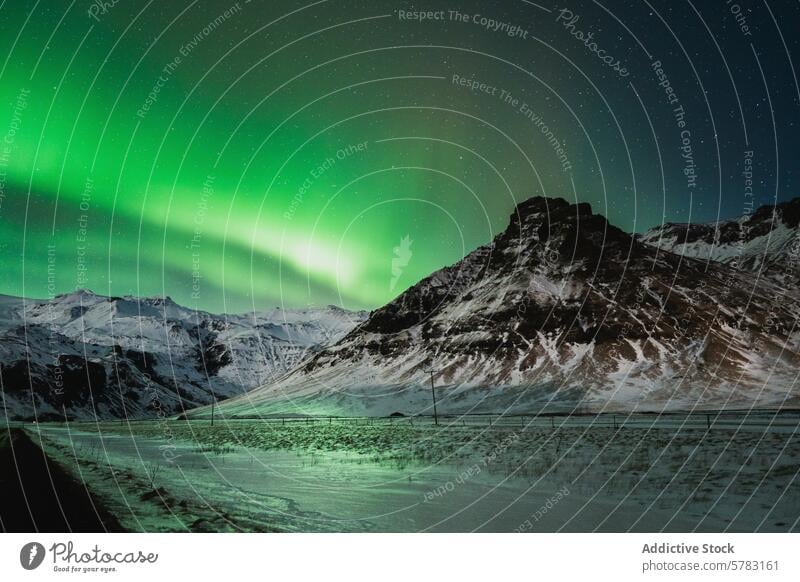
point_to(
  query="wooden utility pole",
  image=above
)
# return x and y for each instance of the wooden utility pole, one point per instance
(213, 402)
(433, 395)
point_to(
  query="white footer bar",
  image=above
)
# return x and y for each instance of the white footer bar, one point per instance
(389, 557)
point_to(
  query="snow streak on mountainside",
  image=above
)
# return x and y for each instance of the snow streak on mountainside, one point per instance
(123, 356)
(561, 310)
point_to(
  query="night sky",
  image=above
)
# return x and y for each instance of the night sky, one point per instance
(238, 156)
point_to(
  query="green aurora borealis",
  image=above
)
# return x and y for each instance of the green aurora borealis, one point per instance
(236, 156)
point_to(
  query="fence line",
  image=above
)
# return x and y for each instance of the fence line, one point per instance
(697, 419)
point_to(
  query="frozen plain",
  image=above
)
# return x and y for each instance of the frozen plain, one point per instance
(641, 474)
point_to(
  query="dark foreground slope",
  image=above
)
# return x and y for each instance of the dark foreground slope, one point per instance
(39, 496)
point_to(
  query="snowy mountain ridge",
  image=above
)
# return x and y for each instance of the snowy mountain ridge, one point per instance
(766, 241)
(111, 357)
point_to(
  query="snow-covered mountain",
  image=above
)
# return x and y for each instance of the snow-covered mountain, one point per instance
(122, 356)
(562, 310)
(765, 242)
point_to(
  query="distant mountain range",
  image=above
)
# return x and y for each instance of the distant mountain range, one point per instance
(564, 311)
(109, 357)
(766, 242)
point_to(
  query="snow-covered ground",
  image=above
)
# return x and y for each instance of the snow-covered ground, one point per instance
(358, 476)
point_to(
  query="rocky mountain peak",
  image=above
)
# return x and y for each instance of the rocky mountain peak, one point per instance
(545, 236)
(556, 208)
(555, 233)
